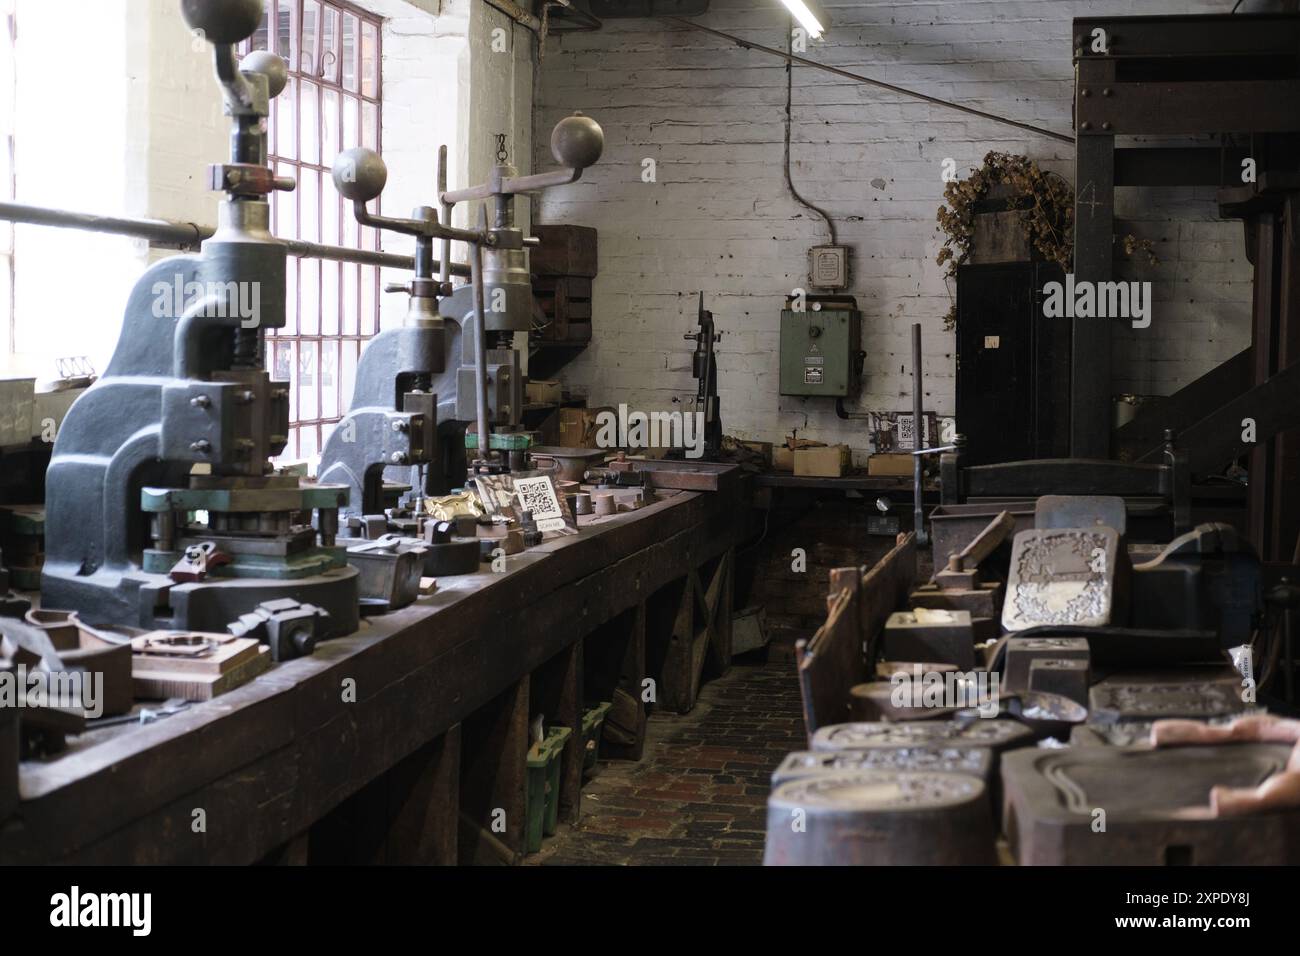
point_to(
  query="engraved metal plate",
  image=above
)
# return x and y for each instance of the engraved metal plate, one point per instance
(975, 733)
(1061, 577)
(974, 761)
(1197, 699)
(868, 790)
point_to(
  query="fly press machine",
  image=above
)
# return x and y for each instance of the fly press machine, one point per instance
(410, 405)
(164, 510)
(185, 419)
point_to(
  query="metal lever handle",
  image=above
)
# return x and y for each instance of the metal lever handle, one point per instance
(576, 143)
(360, 175)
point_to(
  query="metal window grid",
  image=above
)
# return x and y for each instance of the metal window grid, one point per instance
(8, 106)
(332, 102)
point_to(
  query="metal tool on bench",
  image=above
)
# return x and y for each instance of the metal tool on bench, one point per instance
(704, 369)
(390, 568)
(185, 419)
(40, 726)
(962, 585)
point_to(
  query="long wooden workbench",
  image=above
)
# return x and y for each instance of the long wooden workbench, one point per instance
(406, 741)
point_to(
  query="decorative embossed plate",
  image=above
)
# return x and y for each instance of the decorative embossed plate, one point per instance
(974, 761)
(1061, 577)
(975, 733)
(867, 790)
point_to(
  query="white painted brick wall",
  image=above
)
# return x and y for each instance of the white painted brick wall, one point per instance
(719, 217)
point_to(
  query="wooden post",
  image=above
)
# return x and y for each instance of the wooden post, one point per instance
(632, 673)
(423, 805)
(1094, 238)
(556, 694)
(493, 779)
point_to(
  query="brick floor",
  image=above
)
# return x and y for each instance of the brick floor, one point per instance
(699, 795)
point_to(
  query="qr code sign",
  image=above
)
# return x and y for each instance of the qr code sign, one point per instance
(538, 496)
(905, 424)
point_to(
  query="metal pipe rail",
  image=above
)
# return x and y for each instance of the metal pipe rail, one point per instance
(188, 235)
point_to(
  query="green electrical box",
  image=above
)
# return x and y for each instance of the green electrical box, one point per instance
(819, 351)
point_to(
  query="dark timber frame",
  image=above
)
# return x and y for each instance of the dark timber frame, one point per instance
(1188, 75)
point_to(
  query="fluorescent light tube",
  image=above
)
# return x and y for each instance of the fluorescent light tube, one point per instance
(810, 17)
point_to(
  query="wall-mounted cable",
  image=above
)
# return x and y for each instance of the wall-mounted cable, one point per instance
(789, 87)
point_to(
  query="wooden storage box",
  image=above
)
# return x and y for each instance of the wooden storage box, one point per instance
(564, 251)
(889, 465)
(830, 461)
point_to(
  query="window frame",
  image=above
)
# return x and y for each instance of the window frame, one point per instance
(309, 339)
(9, 183)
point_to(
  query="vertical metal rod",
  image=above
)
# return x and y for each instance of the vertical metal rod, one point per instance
(918, 512)
(1288, 655)
(444, 274)
(480, 351)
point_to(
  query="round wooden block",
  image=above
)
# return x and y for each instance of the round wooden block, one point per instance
(879, 818)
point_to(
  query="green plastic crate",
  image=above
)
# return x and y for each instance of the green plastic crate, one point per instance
(593, 722)
(544, 785)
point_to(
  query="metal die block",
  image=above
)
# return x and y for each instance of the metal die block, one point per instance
(1062, 577)
(402, 439)
(1052, 798)
(983, 601)
(423, 424)
(1066, 677)
(994, 733)
(1023, 651)
(1189, 700)
(248, 495)
(880, 817)
(199, 421)
(942, 636)
(505, 388)
(388, 580)
(936, 758)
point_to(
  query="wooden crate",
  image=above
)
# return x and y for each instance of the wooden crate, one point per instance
(566, 302)
(564, 251)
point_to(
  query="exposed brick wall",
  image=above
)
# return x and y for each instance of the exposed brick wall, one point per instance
(719, 217)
